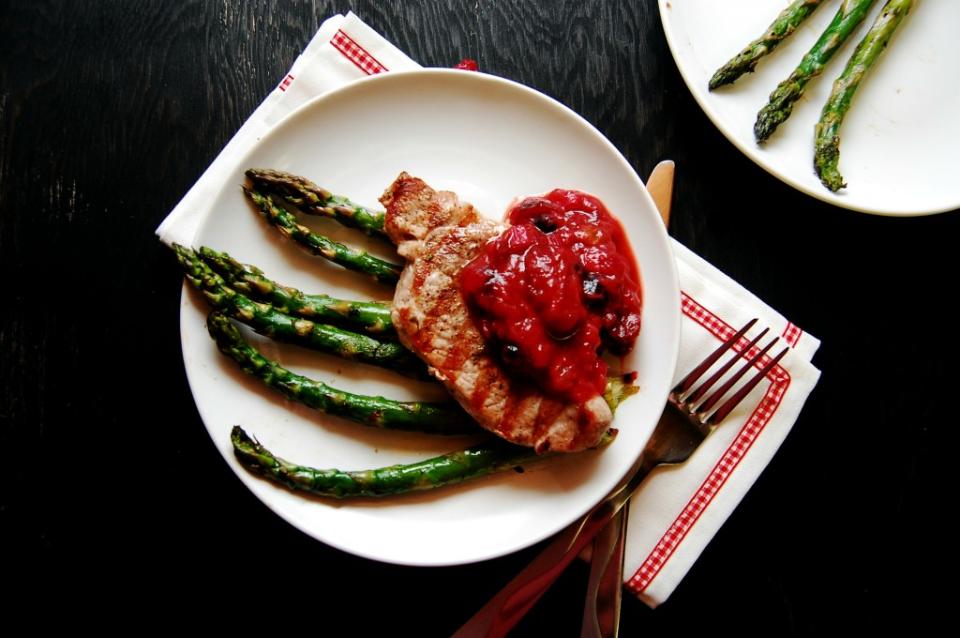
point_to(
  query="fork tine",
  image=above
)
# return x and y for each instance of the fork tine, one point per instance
(721, 413)
(691, 378)
(704, 407)
(706, 385)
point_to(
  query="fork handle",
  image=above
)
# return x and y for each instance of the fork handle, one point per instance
(508, 607)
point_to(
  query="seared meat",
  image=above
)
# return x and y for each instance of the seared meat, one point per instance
(439, 235)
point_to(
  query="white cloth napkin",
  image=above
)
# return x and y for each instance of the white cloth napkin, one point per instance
(678, 510)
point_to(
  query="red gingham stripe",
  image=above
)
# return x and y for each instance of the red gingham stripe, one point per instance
(671, 539)
(705, 318)
(356, 54)
(792, 334)
(721, 329)
(286, 82)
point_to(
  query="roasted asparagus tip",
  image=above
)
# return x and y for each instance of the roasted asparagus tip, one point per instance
(849, 15)
(314, 200)
(286, 222)
(781, 28)
(827, 144)
(249, 451)
(826, 161)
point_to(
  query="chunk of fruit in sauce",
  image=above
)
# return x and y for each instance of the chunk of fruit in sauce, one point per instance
(558, 287)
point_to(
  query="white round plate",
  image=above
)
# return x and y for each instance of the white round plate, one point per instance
(898, 148)
(489, 140)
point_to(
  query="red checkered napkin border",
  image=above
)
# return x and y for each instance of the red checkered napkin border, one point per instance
(356, 54)
(352, 51)
(779, 382)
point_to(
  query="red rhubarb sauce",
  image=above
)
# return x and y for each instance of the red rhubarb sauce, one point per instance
(467, 64)
(554, 291)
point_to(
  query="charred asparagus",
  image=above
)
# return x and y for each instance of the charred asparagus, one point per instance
(351, 258)
(313, 200)
(827, 149)
(746, 61)
(438, 418)
(447, 469)
(372, 317)
(272, 323)
(780, 106)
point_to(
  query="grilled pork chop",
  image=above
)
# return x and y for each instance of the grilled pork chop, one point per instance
(438, 235)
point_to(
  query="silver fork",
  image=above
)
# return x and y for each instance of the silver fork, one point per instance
(684, 425)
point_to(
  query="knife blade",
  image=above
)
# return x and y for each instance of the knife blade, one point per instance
(660, 187)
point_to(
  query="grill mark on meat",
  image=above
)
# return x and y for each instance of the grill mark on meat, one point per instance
(484, 388)
(510, 422)
(439, 235)
(547, 412)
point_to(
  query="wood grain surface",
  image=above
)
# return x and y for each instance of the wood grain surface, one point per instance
(113, 497)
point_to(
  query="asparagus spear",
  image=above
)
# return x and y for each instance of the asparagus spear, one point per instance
(314, 200)
(434, 417)
(827, 149)
(488, 457)
(447, 469)
(778, 109)
(369, 316)
(441, 470)
(383, 271)
(746, 61)
(269, 322)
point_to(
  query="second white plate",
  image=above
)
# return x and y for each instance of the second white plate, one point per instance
(899, 142)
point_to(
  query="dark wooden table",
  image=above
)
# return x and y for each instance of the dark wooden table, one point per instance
(112, 496)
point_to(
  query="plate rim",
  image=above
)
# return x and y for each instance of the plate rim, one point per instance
(754, 154)
(671, 276)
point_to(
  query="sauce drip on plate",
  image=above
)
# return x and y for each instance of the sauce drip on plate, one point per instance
(553, 291)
